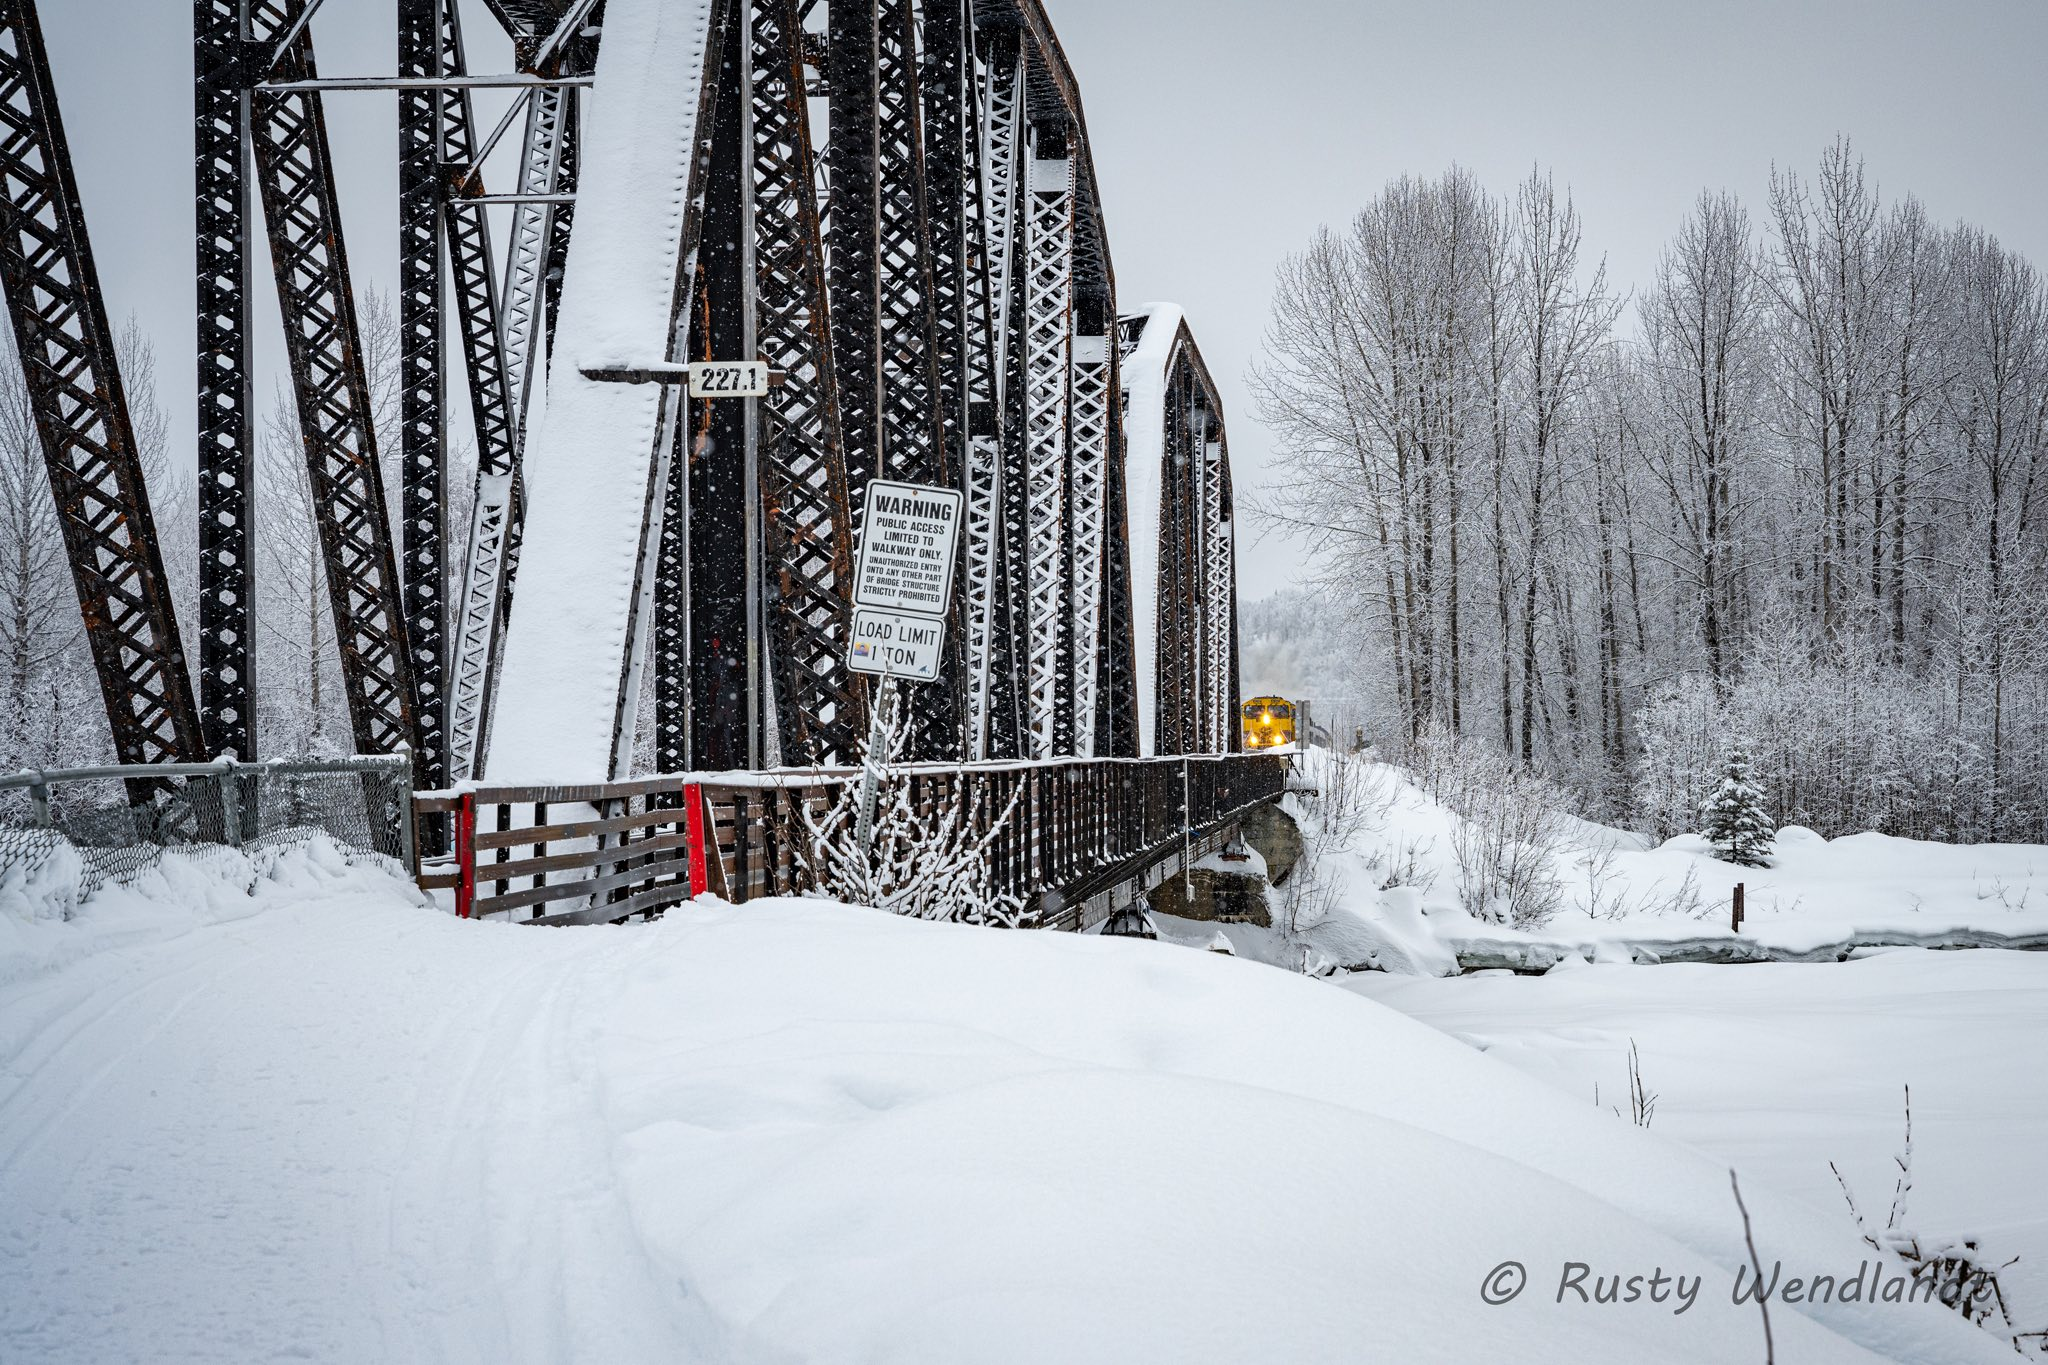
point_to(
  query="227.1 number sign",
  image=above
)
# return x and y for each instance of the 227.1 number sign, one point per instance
(729, 379)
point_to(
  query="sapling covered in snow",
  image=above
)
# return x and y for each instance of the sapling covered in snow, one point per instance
(1737, 823)
(1948, 1270)
(927, 855)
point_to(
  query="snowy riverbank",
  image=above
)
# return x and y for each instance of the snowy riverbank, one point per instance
(1389, 895)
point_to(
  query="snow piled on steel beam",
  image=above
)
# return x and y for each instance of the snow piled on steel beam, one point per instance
(1144, 376)
(591, 456)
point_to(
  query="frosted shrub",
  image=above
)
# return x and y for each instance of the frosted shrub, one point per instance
(1345, 799)
(1682, 731)
(1351, 800)
(1512, 821)
(930, 853)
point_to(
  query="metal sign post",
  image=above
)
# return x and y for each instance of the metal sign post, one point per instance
(871, 768)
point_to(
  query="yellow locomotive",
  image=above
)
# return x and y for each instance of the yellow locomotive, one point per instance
(1268, 722)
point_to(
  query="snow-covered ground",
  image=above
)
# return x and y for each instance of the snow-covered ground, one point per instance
(1781, 1068)
(320, 1121)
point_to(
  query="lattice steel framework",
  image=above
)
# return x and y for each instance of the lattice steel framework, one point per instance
(303, 216)
(1116, 709)
(725, 677)
(478, 614)
(81, 413)
(479, 611)
(887, 339)
(809, 514)
(967, 340)
(1048, 351)
(1196, 665)
(542, 175)
(1089, 493)
(1179, 637)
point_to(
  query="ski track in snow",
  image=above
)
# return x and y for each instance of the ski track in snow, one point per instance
(466, 1139)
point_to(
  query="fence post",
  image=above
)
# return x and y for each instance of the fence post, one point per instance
(465, 856)
(228, 790)
(39, 801)
(693, 822)
(1738, 907)
(408, 824)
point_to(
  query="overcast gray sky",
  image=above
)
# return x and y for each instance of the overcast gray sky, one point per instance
(1226, 131)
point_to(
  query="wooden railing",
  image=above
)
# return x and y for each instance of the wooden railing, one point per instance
(598, 854)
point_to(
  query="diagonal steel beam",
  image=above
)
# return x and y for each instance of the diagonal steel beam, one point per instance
(302, 213)
(81, 414)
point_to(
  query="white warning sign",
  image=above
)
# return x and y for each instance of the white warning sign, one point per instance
(907, 546)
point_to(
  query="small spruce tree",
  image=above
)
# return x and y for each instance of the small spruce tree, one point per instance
(1737, 823)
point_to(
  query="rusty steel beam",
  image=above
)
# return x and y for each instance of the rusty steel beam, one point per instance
(81, 414)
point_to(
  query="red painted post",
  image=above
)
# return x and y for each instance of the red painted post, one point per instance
(693, 821)
(465, 856)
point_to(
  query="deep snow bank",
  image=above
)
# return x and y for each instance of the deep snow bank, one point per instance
(48, 920)
(345, 1128)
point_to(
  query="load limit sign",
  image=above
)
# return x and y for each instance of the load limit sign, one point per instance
(903, 582)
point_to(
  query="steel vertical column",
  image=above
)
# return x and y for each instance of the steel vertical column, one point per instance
(962, 345)
(808, 507)
(1048, 340)
(997, 132)
(422, 397)
(853, 231)
(1232, 700)
(1201, 695)
(721, 703)
(1179, 643)
(1089, 484)
(1117, 709)
(1008, 610)
(227, 437)
(916, 444)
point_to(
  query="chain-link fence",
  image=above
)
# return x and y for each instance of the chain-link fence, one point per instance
(118, 821)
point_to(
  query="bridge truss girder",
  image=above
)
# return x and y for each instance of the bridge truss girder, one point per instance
(929, 273)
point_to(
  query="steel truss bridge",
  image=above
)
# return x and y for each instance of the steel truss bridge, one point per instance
(892, 202)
